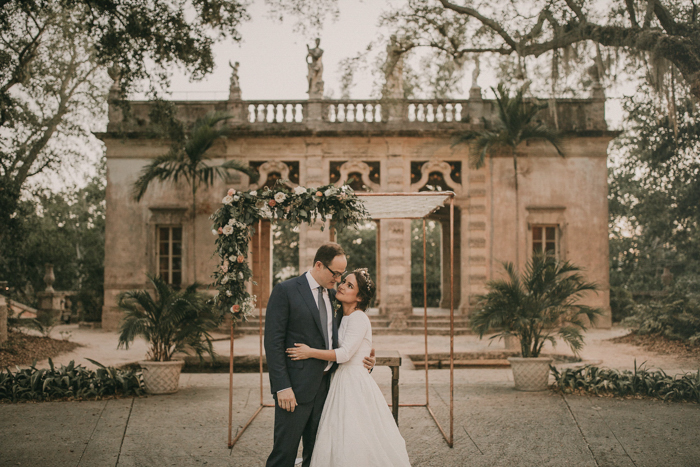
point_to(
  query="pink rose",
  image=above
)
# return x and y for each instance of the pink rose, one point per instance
(235, 308)
(220, 230)
(272, 203)
(231, 192)
(318, 193)
(240, 258)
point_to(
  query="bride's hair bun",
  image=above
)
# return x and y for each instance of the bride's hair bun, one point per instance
(365, 288)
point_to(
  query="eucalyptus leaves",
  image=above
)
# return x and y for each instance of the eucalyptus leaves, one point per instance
(236, 219)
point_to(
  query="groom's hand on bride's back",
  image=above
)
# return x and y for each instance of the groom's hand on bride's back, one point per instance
(286, 400)
(370, 361)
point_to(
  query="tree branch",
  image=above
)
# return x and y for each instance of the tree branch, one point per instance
(632, 13)
(665, 18)
(577, 10)
(486, 21)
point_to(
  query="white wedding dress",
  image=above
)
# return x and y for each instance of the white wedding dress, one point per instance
(357, 427)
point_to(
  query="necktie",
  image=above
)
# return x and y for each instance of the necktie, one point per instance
(324, 314)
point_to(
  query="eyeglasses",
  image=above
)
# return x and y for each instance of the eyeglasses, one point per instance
(336, 275)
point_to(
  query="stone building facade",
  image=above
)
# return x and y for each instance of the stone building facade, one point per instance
(392, 145)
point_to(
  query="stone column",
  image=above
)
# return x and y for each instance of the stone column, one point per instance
(395, 271)
(476, 240)
(395, 247)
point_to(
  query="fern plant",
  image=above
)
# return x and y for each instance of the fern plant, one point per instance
(536, 305)
(171, 321)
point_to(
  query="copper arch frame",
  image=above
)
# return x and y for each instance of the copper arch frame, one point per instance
(449, 439)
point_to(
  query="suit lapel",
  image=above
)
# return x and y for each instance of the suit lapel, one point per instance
(305, 291)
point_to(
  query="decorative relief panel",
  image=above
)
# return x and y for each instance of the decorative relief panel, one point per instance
(271, 171)
(441, 175)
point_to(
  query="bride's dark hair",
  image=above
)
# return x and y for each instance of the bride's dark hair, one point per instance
(365, 288)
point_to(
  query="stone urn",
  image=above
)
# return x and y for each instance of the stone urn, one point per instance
(530, 374)
(161, 377)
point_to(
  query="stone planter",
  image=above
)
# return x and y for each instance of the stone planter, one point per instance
(161, 377)
(530, 374)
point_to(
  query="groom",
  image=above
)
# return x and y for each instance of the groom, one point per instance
(300, 310)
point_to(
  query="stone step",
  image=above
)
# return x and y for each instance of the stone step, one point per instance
(386, 331)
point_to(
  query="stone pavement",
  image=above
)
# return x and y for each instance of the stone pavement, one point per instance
(494, 425)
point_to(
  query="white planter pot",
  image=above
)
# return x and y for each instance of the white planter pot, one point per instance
(530, 374)
(161, 377)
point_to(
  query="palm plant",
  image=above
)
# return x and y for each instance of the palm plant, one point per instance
(173, 321)
(537, 305)
(189, 161)
(514, 126)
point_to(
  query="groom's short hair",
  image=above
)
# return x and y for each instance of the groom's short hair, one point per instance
(327, 252)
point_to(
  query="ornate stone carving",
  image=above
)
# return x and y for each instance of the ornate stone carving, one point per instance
(393, 70)
(437, 166)
(235, 86)
(357, 167)
(315, 67)
(272, 167)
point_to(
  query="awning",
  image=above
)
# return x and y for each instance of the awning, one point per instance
(404, 205)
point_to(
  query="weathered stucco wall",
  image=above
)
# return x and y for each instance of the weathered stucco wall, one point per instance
(570, 192)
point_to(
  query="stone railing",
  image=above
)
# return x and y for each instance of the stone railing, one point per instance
(275, 111)
(362, 115)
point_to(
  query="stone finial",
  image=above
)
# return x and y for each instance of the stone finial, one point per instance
(235, 86)
(597, 91)
(393, 70)
(49, 277)
(315, 70)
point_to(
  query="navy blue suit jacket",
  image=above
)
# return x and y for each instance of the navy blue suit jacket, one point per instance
(293, 317)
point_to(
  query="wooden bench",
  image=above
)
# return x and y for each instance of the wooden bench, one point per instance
(392, 359)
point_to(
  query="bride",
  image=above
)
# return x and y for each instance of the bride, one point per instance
(356, 426)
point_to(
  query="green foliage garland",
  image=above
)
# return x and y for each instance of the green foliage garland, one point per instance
(235, 221)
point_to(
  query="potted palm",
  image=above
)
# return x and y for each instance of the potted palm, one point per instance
(172, 321)
(536, 306)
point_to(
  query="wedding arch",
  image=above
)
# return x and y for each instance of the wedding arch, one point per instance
(242, 211)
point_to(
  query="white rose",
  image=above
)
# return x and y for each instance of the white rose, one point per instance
(254, 193)
(228, 293)
(300, 190)
(224, 279)
(266, 212)
(231, 221)
(214, 232)
(328, 192)
(236, 198)
(232, 258)
(228, 230)
(280, 197)
(240, 275)
(227, 199)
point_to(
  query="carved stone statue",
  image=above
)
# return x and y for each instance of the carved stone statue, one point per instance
(393, 69)
(475, 73)
(315, 66)
(235, 87)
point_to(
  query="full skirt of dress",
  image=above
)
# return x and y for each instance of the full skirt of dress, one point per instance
(357, 427)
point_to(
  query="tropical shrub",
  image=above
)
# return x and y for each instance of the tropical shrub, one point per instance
(68, 382)
(173, 321)
(537, 305)
(675, 316)
(640, 382)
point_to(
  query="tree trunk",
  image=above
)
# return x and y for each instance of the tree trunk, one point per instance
(194, 231)
(517, 212)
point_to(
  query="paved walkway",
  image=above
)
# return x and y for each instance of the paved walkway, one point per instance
(494, 425)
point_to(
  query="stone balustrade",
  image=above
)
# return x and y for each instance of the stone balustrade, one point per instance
(366, 115)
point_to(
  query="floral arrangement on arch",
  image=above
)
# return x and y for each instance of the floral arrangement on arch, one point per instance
(234, 227)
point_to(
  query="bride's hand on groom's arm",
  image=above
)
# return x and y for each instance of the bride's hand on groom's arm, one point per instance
(299, 352)
(370, 361)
